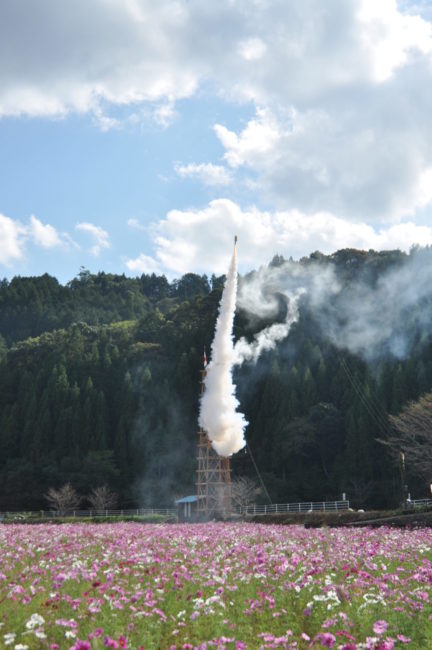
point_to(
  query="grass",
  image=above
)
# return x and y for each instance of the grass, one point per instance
(35, 518)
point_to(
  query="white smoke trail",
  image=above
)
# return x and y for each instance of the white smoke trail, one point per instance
(218, 414)
(269, 336)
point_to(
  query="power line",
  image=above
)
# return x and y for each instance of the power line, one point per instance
(374, 410)
(258, 474)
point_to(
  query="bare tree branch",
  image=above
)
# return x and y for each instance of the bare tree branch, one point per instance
(413, 435)
(101, 498)
(63, 499)
(244, 491)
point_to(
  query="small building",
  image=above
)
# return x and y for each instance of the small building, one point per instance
(187, 508)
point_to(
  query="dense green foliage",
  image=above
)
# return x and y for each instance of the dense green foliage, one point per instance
(99, 383)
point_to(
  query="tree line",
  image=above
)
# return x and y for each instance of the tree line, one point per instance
(102, 388)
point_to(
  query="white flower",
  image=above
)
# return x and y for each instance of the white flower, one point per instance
(34, 621)
(21, 646)
(9, 638)
(40, 634)
(70, 634)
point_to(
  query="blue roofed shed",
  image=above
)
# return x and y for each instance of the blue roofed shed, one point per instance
(187, 507)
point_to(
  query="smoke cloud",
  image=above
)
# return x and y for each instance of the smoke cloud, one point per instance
(369, 312)
(218, 414)
(268, 338)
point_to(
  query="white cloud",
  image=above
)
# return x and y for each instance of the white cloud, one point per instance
(99, 235)
(258, 140)
(372, 166)
(165, 114)
(131, 51)
(143, 264)
(252, 49)
(15, 234)
(390, 36)
(76, 58)
(44, 235)
(207, 173)
(12, 237)
(201, 240)
(342, 89)
(136, 225)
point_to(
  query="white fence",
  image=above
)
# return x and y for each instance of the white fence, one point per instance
(305, 506)
(419, 503)
(51, 514)
(275, 508)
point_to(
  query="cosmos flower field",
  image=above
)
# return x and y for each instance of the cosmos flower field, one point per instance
(88, 586)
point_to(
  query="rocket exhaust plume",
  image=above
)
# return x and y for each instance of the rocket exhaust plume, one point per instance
(218, 414)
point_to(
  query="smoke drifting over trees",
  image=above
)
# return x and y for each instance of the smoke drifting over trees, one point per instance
(371, 307)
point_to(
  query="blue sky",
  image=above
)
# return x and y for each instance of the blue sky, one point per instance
(138, 136)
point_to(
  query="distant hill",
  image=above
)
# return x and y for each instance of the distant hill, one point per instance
(99, 383)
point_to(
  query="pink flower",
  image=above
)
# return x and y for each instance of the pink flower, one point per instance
(327, 639)
(403, 639)
(388, 644)
(379, 627)
(81, 645)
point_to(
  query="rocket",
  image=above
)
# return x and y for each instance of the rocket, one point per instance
(235, 239)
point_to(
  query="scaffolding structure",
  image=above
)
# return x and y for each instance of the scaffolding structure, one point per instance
(213, 476)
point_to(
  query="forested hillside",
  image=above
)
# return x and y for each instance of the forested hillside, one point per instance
(99, 383)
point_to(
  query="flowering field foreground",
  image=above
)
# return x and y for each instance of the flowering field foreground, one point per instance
(209, 586)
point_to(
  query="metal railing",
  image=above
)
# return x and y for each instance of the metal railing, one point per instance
(305, 506)
(52, 514)
(275, 508)
(254, 509)
(419, 503)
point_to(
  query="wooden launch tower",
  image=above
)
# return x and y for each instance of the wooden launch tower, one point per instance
(213, 475)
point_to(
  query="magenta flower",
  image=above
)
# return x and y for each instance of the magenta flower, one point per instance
(403, 639)
(379, 627)
(387, 644)
(81, 645)
(327, 639)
